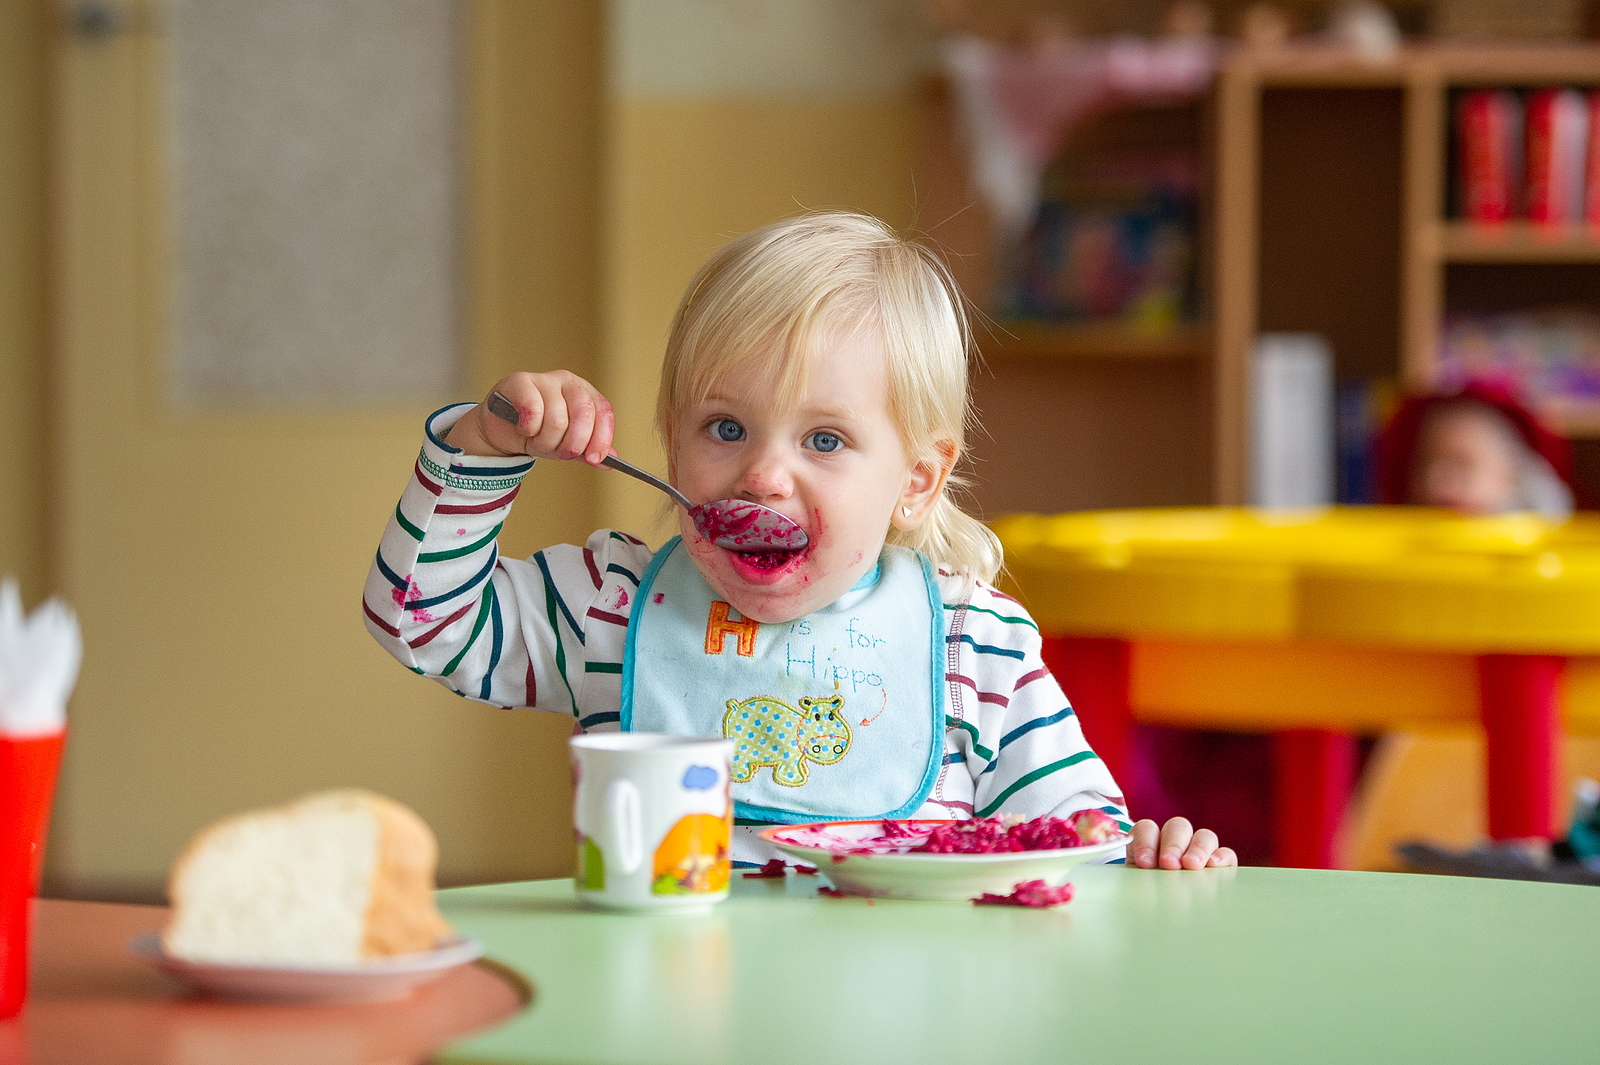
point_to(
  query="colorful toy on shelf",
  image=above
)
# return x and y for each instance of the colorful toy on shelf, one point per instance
(1551, 354)
(1114, 240)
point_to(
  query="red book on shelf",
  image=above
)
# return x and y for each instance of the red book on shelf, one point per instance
(1488, 130)
(1558, 127)
(1591, 177)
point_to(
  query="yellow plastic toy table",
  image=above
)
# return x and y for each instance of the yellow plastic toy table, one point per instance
(1317, 625)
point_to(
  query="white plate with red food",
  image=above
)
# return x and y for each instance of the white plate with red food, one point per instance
(954, 860)
(376, 980)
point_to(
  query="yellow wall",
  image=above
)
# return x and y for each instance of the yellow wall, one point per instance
(687, 176)
(721, 122)
(22, 294)
(215, 558)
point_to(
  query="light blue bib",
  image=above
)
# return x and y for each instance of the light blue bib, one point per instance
(836, 716)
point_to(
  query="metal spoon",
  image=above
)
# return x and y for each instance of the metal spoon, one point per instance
(735, 524)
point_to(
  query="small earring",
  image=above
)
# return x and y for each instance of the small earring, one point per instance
(905, 511)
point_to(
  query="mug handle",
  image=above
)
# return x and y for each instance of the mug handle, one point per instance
(622, 824)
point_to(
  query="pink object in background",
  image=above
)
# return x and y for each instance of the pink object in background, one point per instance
(1017, 104)
(28, 768)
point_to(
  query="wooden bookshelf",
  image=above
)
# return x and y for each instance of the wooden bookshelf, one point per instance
(1325, 211)
(1033, 341)
(1324, 267)
(1079, 415)
(1514, 242)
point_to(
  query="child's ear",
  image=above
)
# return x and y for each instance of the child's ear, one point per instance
(925, 484)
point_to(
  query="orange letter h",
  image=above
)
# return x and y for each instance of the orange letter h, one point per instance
(718, 628)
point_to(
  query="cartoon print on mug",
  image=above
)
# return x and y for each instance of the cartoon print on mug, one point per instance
(769, 732)
(591, 864)
(693, 856)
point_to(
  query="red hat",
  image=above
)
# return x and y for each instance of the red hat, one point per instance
(1397, 446)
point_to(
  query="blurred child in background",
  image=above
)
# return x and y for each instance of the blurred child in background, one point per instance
(1476, 451)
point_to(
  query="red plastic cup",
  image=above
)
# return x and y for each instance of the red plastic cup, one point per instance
(27, 784)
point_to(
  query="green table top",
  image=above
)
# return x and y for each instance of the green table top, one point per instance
(1240, 965)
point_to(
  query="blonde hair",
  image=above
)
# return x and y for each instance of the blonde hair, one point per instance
(764, 302)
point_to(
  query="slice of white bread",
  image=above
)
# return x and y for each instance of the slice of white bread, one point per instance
(330, 879)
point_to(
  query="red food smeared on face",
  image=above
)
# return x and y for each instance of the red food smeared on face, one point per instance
(832, 893)
(766, 559)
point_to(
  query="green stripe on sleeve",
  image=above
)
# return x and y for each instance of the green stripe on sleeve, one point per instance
(1007, 618)
(443, 556)
(484, 606)
(411, 530)
(550, 608)
(602, 667)
(1028, 778)
(972, 730)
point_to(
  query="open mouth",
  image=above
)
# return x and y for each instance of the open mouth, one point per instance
(767, 560)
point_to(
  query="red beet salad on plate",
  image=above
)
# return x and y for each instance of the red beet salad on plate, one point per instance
(990, 835)
(1004, 860)
(1007, 833)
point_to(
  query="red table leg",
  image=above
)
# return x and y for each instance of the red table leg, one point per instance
(1519, 700)
(1094, 672)
(1313, 772)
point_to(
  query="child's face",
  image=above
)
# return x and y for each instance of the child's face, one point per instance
(828, 459)
(1466, 461)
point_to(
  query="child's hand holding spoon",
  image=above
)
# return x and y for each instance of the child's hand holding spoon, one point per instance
(555, 415)
(559, 415)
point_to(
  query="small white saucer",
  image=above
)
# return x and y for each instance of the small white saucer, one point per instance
(379, 980)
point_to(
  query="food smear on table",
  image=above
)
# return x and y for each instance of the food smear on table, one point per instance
(774, 869)
(1006, 833)
(835, 893)
(335, 878)
(1034, 893)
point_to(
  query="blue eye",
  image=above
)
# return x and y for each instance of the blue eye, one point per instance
(825, 442)
(727, 429)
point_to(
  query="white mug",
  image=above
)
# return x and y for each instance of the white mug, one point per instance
(654, 817)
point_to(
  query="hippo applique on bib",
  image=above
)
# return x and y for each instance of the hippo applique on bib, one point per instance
(767, 731)
(838, 715)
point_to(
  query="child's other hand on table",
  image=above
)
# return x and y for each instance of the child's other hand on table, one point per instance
(1177, 845)
(559, 416)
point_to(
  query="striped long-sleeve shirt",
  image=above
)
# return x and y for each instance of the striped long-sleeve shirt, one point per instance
(549, 633)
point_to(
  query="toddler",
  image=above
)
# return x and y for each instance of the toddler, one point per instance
(818, 367)
(1475, 451)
